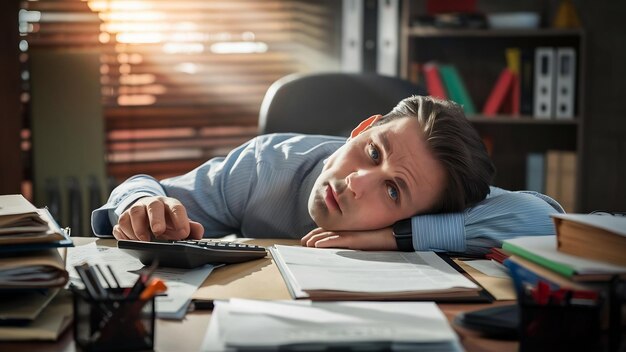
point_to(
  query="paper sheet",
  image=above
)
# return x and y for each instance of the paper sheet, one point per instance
(489, 267)
(48, 325)
(348, 270)
(253, 323)
(181, 283)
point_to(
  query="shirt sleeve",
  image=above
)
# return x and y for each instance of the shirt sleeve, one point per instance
(214, 194)
(503, 215)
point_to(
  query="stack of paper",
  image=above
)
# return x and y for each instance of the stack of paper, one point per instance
(31, 271)
(304, 325)
(332, 274)
(25, 228)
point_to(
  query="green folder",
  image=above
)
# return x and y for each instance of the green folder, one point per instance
(456, 88)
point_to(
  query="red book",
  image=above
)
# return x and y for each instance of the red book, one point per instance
(434, 85)
(500, 92)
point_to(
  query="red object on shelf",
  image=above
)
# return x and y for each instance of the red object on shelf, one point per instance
(505, 95)
(434, 7)
(434, 84)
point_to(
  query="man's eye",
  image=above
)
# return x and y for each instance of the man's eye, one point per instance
(374, 153)
(392, 191)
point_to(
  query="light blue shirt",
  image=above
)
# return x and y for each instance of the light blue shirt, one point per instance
(261, 190)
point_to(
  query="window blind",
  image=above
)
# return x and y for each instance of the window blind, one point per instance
(183, 81)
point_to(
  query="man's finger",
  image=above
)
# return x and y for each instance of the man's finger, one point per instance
(178, 216)
(334, 241)
(317, 237)
(196, 230)
(125, 226)
(139, 221)
(118, 234)
(305, 239)
(156, 216)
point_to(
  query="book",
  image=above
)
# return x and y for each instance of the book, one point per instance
(535, 172)
(434, 85)
(514, 63)
(500, 93)
(526, 271)
(561, 178)
(598, 237)
(526, 77)
(328, 326)
(456, 88)
(342, 274)
(542, 250)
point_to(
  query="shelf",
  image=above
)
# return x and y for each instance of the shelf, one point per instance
(520, 120)
(426, 32)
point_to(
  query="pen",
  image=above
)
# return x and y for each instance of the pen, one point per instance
(103, 276)
(156, 286)
(117, 283)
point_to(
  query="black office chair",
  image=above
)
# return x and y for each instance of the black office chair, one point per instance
(329, 103)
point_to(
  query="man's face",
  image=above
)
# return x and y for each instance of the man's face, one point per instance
(383, 175)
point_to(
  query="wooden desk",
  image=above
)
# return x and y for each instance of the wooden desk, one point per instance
(259, 279)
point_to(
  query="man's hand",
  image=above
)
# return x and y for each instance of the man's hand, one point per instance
(375, 240)
(163, 217)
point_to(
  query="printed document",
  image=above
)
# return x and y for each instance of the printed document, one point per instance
(312, 271)
(372, 326)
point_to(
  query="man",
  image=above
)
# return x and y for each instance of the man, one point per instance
(422, 158)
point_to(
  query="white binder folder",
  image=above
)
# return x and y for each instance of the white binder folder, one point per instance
(565, 83)
(544, 82)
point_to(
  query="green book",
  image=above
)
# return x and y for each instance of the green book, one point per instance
(543, 250)
(456, 88)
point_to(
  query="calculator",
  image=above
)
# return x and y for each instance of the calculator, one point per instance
(190, 254)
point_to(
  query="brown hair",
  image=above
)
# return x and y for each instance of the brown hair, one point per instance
(456, 144)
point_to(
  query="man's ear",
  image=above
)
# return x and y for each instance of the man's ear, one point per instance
(364, 125)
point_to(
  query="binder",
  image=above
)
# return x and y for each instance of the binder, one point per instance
(387, 54)
(565, 82)
(352, 33)
(544, 82)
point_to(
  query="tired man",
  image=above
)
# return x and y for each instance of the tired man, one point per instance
(422, 162)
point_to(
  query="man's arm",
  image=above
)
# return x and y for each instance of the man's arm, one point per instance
(104, 218)
(214, 195)
(501, 216)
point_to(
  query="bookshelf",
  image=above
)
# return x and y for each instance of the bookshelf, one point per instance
(479, 57)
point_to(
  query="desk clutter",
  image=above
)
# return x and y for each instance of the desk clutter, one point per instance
(33, 305)
(565, 299)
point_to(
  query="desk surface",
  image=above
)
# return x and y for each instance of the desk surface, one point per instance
(259, 279)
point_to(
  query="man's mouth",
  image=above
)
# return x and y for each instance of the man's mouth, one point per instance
(331, 199)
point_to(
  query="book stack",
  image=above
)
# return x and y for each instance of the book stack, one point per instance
(32, 272)
(568, 280)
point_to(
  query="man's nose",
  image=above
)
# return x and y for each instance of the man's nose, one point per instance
(360, 181)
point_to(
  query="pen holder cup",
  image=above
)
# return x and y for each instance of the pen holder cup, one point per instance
(117, 323)
(560, 327)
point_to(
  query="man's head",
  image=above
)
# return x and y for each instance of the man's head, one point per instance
(422, 157)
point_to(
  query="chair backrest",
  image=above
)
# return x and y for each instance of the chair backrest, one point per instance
(329, 103)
